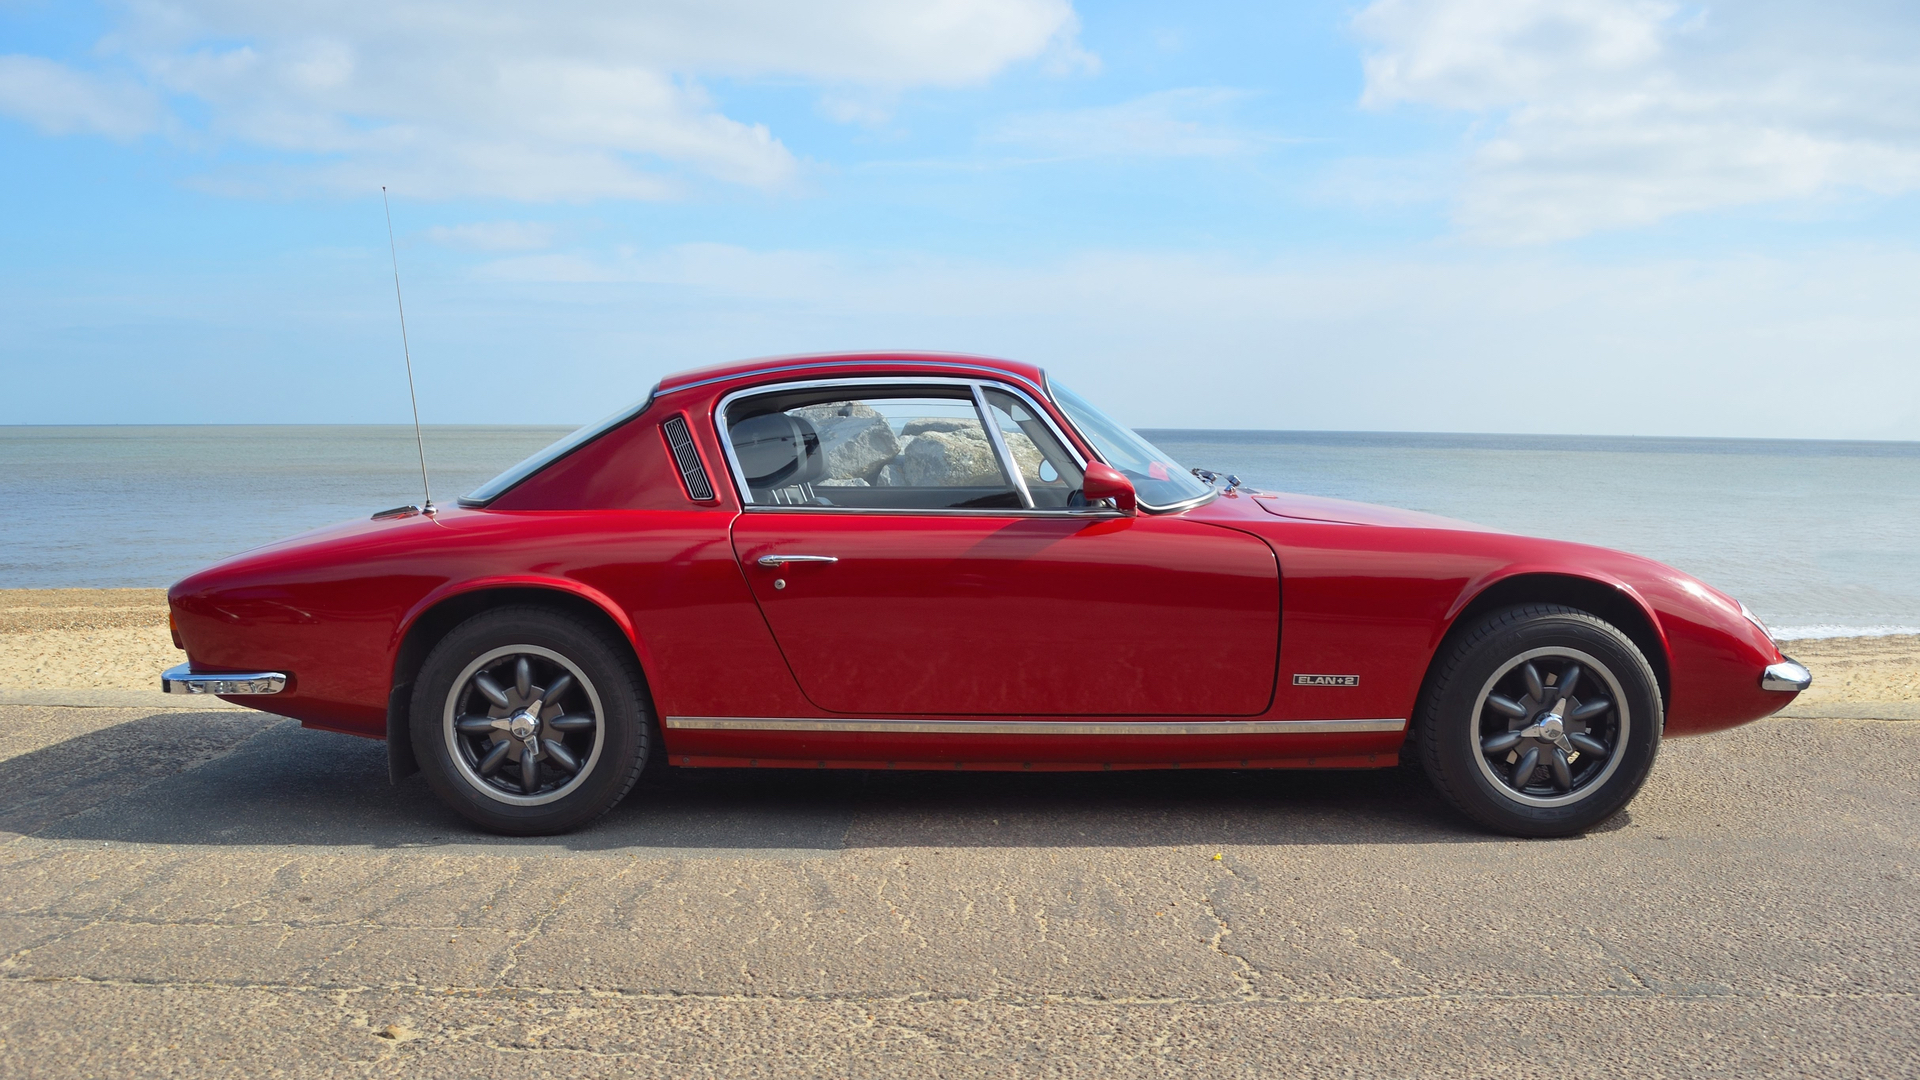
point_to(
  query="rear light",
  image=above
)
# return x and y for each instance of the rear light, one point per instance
(174, 629)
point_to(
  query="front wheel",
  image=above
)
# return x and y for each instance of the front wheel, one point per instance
(529, 722)
(1540, 721)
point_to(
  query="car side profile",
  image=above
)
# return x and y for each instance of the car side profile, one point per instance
(922, 561)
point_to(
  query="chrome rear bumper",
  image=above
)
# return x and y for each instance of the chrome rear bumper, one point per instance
(180, 680)
(1787, 675)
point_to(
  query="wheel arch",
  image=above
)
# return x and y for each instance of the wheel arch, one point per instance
(1614, 602)
(438, 614)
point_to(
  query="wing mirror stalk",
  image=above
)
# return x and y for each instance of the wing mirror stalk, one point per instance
(1103, 481)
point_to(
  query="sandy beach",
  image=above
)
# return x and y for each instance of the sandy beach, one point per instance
(90, 641)
(85, 639)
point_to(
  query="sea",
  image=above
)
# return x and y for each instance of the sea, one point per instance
(1821, 538)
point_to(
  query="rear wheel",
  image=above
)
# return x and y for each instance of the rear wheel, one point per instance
(530, 722)
(1540, 721)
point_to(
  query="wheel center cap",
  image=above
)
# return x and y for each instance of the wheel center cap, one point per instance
(1551, 727)
(523, 725)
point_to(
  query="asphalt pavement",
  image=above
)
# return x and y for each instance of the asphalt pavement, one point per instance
(223, 893)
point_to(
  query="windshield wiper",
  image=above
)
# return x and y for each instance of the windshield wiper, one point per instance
(1212, 477)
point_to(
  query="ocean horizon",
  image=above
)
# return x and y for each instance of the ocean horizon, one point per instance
(1820, 537)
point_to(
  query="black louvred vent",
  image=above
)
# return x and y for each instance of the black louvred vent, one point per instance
(687, 458)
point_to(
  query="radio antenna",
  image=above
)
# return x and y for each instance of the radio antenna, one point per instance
(419, 443)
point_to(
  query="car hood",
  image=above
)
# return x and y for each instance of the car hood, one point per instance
(1342, 512)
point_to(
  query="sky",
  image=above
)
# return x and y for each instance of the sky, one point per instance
(1583, 216)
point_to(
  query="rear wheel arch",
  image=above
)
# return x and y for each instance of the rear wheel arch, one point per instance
(1600, 599)
(437, 620)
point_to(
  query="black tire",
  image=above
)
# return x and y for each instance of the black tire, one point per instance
(602, 704)
(1474, 746)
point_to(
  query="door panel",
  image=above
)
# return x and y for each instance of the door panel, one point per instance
(1035, 616)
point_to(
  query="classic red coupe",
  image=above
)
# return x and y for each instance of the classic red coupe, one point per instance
(915, 561)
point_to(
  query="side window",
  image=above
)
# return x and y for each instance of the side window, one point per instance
(915, 448)
(1051, 475)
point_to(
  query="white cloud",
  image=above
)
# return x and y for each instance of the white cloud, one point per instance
(494, 235)
(493, 98)
(59, 100)
(868, 109)
(1187, 122)
(1602, 114)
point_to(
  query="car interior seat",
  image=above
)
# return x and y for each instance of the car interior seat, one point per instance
(780, 455)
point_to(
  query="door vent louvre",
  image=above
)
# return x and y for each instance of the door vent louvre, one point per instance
(684, 455)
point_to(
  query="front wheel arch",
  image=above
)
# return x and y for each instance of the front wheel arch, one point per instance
(1596, 598)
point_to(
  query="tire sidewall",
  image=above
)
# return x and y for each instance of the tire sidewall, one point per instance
(1450, 729)
(626, 726)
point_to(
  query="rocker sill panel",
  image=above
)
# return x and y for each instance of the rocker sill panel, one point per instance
(1036, 727)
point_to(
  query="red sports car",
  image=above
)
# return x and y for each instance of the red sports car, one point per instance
(908, 561)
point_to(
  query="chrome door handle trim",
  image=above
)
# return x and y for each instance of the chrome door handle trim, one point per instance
(782, 560)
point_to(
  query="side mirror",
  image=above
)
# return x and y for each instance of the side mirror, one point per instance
(1103, 481)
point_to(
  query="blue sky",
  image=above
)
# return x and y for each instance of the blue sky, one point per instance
(1592, 216)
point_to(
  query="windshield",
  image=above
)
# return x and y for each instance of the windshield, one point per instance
(1158, 480)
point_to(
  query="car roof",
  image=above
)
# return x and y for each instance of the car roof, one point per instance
(863, 363)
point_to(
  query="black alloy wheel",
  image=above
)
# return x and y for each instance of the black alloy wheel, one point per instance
(530, 722)
(1540, 721)
(524, 724)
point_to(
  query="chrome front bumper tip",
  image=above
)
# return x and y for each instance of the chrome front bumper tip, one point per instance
(180, 680)
(1788, 676)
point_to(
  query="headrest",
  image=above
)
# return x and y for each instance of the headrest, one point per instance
(776, 450)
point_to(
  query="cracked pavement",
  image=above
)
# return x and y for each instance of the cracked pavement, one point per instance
(223, 893)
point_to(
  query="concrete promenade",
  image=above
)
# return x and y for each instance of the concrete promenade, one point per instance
(221, 893)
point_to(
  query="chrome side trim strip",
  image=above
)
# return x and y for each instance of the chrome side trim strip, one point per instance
(181, 680)
(1036, 727)
(1787, 675)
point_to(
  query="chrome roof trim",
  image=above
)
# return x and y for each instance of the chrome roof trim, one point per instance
(827, 359)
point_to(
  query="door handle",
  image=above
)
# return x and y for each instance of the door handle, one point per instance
(782, 560)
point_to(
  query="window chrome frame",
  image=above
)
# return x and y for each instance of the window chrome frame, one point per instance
(975, 393)
(999, 440)
(1151, 508)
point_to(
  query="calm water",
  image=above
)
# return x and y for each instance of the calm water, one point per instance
(1818, 537)
(144, 506)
